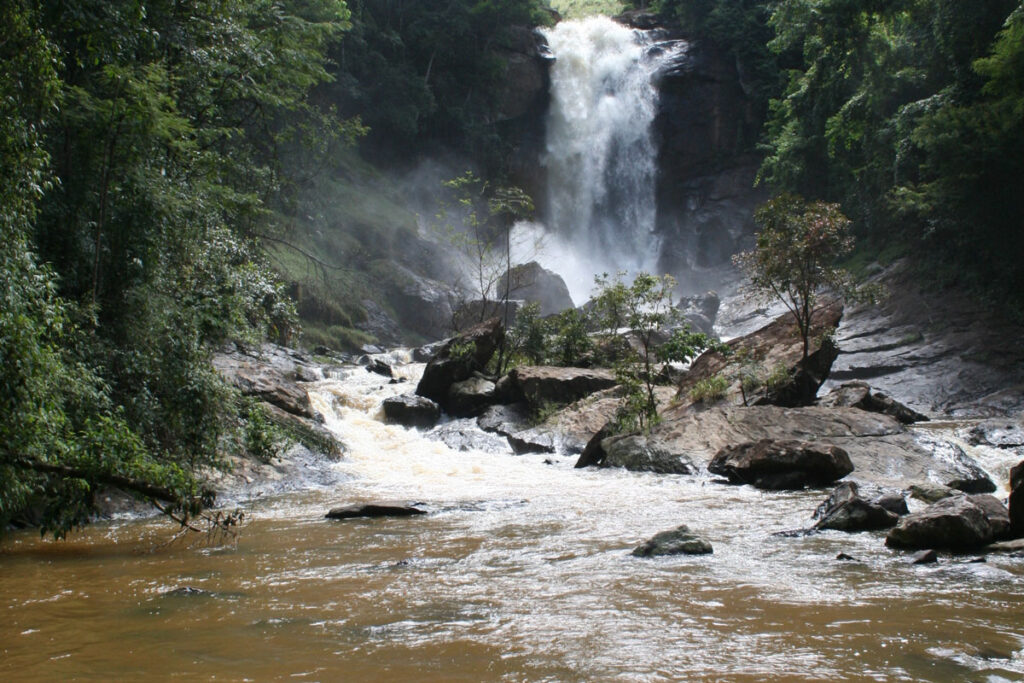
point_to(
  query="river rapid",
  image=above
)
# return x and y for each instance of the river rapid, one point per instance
(521, 571)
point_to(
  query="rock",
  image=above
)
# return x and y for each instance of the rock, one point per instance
(633, 452)
(462, 435)
(1013, 546)
(857, 514)
(969, 478)
(846, 491)
(269, 375)
(858, 395)
(543, 386)
(523, 87)
(421, 304)
(1017, 500)
(678, 541)
(885, 453)
(997, 433)
(643, 20)
(893, 502)
(505, 419)
(372, 510)
(995, 512)
(410, 410)
(843, 557)
(924, 557)
(954, 523)
(458, 358)
(309, 433)
(593, 453)
(929, 492)
(380, 367)
(775, 349)
(775, 465)
(470, 397)
(532, 441)
(533, 283)
(700, 311)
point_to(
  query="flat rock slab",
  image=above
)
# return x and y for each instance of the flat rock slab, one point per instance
(373, 510)
(777, 465)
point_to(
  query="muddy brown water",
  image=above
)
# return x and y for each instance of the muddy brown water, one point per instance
(521, 572)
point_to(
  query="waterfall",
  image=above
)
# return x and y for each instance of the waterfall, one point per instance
(600, 154)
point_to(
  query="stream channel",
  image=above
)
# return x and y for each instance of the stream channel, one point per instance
(521, 571)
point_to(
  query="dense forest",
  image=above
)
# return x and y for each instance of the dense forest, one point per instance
(158, 159)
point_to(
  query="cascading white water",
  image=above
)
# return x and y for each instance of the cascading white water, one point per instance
(600, 155)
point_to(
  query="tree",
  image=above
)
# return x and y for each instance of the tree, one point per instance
(645, 307)
(796, 253)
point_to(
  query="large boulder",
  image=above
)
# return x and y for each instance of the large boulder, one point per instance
(884, 452)
(458, 358)
(409, 410)
(543, 386)
(857, 514)
(859, 395)
(635, 453)
(766, 367)
(533, 283)
(678, 541)
(270, 374)
(955, 523)
(1017, 500)
(421, 304)
(776, 465)
(470, 397)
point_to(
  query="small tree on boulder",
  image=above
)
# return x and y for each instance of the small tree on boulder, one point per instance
(796, 254)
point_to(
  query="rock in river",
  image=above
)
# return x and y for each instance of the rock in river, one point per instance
(956, 523)
(410, 410)
(678, 541)
(374, 510)
(635, 453)
(775, 465)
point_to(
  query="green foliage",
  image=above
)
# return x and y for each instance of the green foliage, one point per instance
(577, 9)
(710, 389)
(645, 307)
(527, 340)
(144, 168)
(908, 114)
(571, 342)
(798, 246)
(261, 437)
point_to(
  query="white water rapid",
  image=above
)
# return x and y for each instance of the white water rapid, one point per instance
(601, 157)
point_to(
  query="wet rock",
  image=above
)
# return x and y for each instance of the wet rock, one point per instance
(924, 557)
(187, 592)
(996, 433)
(893, 502)
(954, 523)
(373, 510)
(309, 433)
(533, 283)
(1017, 500)
(532, 441)
(470, 397)
(1015, 545)
(884, 452)
(857, 514)
(543, 386)
(458, 358)
(464, 435)
(776, 465)
(593, 453)
(505, 419)
(678, 541)
(995, 513)
(421, 304)
(859, 395)
(842, 493)
(380, 367)
(410, 410)
(843, 557)
(635, 453)
(930, 493)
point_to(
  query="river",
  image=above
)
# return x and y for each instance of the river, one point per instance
(521, 571)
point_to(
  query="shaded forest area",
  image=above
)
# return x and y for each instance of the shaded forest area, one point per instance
(163, 163)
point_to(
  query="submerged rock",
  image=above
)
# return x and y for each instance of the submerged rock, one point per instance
(775, 465)
(678, 541)
(372, 510)
(924, 557)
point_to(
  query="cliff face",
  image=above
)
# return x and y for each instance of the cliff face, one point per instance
(706, 126)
